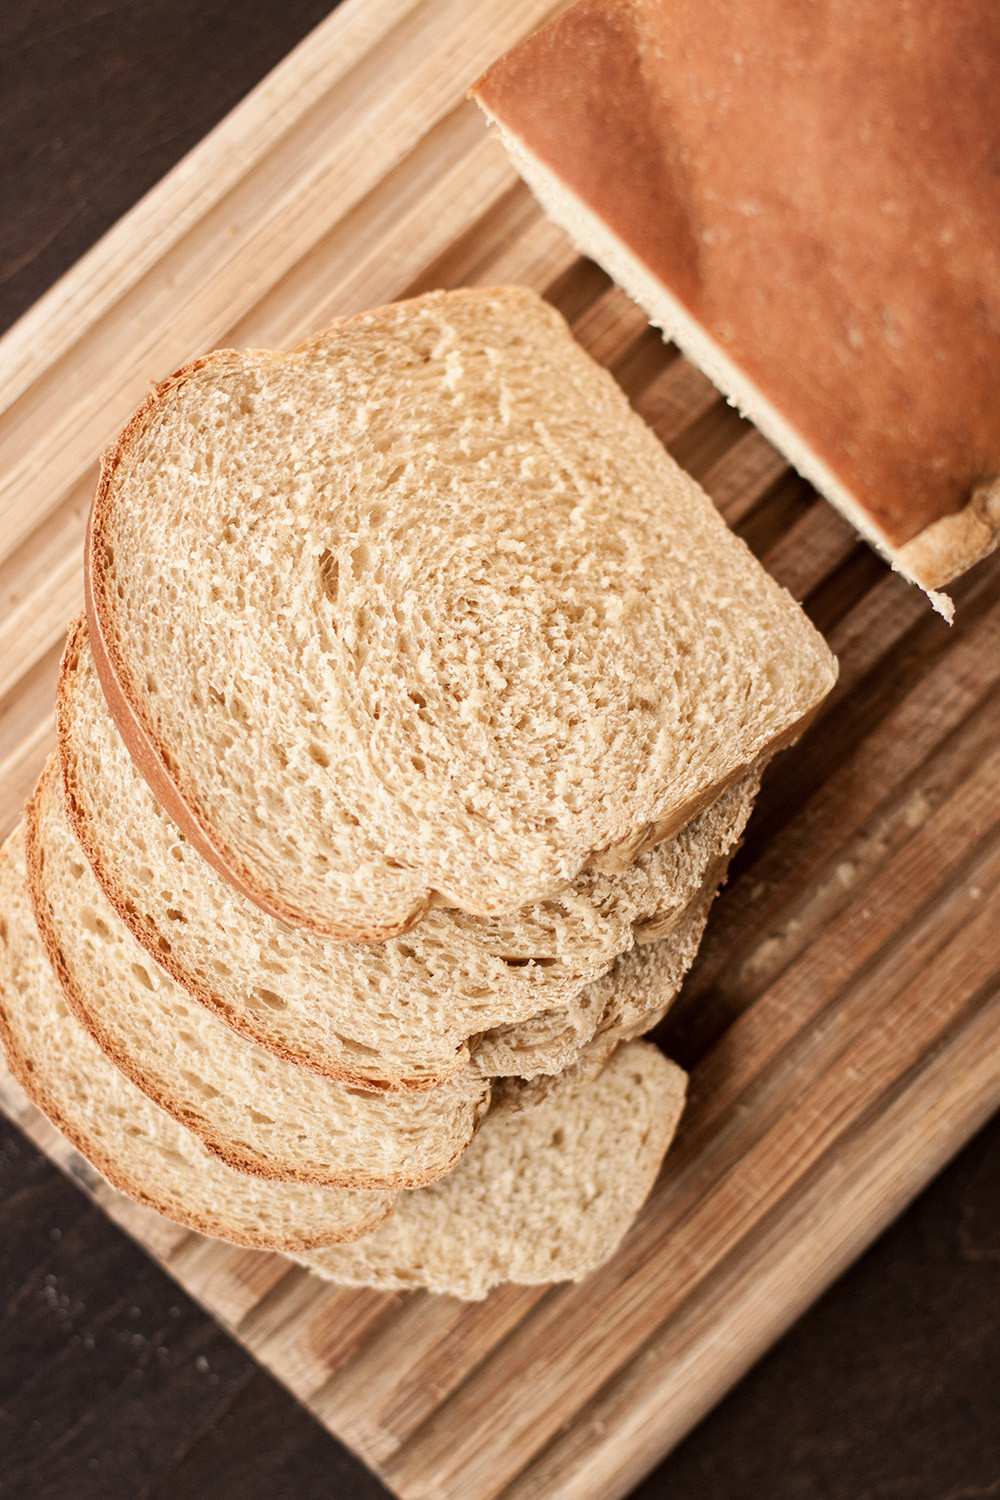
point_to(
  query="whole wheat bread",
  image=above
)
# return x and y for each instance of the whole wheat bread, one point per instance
(258, 1113)
(541, 1195)
(398, 1014)
(141, 1150)
(422, 612)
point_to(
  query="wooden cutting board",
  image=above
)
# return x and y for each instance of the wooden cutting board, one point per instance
(843, 1020)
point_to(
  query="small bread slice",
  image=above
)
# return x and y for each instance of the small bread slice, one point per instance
(422, 612)
(138, 1148)
(544, 1194)
(258, 1113)
(395, 1015)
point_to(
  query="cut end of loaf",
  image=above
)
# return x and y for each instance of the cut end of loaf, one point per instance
(932, 559)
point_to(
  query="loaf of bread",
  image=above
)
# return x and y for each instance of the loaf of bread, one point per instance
(398, 1014)
(422, 613)
(804, 198)
(139, 1148)
(541, 1195)
(629, 1000)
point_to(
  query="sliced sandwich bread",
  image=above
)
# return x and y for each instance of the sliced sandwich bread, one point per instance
(395, 1015)
(422, 613)
(137, 1147)
(259, 1113)
(541, 1195)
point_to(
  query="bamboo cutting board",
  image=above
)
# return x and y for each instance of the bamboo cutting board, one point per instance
(843, 1020)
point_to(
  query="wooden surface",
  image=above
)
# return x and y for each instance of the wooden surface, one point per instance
(112, 1383)
(843, 1015)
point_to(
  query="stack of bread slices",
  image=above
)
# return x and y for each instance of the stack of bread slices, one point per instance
(420, 703)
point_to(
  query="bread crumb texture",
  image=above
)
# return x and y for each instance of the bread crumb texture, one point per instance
(257, 1111)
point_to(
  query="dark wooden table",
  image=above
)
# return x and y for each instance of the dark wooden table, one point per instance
(113, 1385)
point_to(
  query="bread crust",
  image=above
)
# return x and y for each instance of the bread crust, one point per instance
(952, 545)
(874, 330)
(240, 1160)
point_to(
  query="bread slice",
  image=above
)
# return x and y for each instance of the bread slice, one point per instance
(258, 1113)
(809, 209)
(139, 1149)
(422, 612)
(396, 1015)
(541, 1195)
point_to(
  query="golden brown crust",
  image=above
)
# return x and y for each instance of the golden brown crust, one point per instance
(240, 1160)
(952, 545)
(819, 195)
(148, 937)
